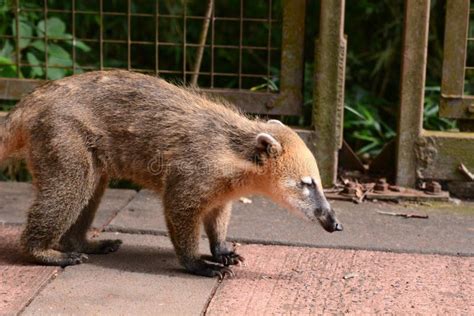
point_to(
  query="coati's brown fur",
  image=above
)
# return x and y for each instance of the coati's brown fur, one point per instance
(199, 155)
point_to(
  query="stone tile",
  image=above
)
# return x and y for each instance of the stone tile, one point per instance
(113, 201)
(142, 278)
(143, 214)
(308, 281)
(16, 198)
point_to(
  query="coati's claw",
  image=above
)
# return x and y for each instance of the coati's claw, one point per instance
(203, 268)
(225, 272)
(230, 258)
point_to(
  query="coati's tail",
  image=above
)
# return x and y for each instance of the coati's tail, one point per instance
(11, 140)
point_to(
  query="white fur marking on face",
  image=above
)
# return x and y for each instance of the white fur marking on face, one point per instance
(307, 180)
(306, 191)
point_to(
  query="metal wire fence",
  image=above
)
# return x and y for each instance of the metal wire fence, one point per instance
(223, 44)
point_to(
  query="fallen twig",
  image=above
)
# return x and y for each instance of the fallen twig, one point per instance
(405, 215)
(466, 172)
(245, 200)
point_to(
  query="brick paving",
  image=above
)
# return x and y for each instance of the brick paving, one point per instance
(300, 281)
(20, 281)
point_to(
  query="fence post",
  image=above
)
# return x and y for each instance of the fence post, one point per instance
(413, 73)
(328, 102)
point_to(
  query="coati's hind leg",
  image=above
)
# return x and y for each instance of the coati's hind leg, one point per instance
(215, 224)
(54, 210)
(65, 177)
(75, 239)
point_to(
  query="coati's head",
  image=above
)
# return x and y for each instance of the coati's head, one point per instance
(291, 176)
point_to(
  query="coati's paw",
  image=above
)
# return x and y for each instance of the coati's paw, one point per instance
(102, 246)
(200, 267)
(56, 258)
(73, 258)
(229, 258)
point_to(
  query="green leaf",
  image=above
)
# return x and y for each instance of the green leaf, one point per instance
(82, 46)
(55, 27)
(34, 62)
(354, 111)
(57, 61)
(7, 68)
(55, 50)
(7, 49)
(25, 30)
(56, 73)
(38, 44)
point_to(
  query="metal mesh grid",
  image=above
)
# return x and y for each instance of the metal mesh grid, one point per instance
(241, 49)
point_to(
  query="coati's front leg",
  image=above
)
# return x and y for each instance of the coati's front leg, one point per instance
(184, 229)
(215, 224)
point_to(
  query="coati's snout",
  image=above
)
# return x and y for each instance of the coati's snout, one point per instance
(328, 220)
(307, 197)
(312, 202)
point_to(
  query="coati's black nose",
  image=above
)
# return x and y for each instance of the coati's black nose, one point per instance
(338, 227)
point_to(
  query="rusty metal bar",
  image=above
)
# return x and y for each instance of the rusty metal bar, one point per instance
(116, 41)
(15, 88)
(17, 28)
(410, 120)
(457, 107)
(184, 39)
(248, 101)
(45, 8)
(328, 106)
(455, 46)
(193, 17)
(129, 35)
(241, 31)
(269, 42)
(292, 53)
(213, 20)
(101, 34)
(73, 21)
(157, 37)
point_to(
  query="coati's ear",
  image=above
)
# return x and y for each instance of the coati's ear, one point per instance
(277, 122)
(268, 144)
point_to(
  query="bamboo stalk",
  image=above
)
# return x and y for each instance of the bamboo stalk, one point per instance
(202, 43)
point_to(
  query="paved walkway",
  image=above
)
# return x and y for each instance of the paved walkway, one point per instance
(379, 264)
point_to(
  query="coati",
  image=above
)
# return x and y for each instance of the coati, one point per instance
(197, 153)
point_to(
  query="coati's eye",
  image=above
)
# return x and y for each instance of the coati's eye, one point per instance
(307, 181)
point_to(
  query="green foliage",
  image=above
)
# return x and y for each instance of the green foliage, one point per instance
(364, 127)
(431, 119)
(58, 49)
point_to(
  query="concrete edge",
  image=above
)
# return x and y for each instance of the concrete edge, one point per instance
(114, 229)
(40, 289)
